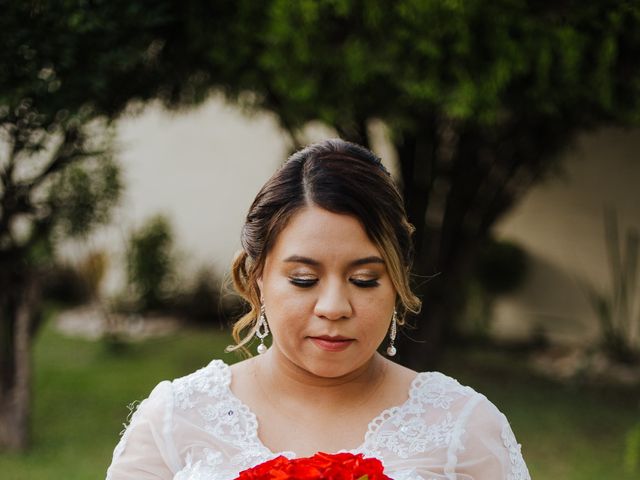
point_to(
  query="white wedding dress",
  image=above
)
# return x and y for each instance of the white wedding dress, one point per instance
(195, 428)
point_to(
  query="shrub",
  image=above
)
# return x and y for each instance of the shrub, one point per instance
(618, 308)
(150, 264)
(501, 267)
(201, 302)
(64, 284)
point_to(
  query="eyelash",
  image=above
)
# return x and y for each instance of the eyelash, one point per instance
(366, 283)
(302, 283)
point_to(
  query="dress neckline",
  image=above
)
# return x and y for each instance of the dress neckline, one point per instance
(372, 427)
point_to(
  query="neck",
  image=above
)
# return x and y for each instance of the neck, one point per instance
(282, 378)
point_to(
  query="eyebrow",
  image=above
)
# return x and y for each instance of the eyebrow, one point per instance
(315, 263)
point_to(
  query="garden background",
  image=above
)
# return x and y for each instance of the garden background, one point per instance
(135, 134)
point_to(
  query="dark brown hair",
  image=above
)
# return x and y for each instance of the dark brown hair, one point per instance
(340, 177)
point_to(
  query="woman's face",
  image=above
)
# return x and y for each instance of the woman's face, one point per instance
(328, 297)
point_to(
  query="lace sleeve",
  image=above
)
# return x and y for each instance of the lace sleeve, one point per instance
(146, 451)
(488, 449)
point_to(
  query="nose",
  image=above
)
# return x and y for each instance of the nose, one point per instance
(333, 302)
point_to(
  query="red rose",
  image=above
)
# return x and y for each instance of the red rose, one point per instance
(321, 466)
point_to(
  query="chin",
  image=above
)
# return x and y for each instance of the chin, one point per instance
(331, 368)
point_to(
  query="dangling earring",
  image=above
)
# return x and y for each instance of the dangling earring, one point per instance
(262, 330)
(391, 349)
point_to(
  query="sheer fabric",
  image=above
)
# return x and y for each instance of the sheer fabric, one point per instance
(195, 428)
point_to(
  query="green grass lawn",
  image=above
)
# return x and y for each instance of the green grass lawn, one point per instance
(81, 392)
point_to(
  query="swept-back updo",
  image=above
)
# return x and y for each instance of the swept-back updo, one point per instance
(343, 178)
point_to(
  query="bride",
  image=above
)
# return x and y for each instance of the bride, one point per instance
(324, 265)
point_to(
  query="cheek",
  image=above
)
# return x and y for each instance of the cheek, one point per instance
(379, 318)
(377, 310)
(285, 304)
(382, 299)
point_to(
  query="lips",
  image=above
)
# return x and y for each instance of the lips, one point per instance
(331, 343)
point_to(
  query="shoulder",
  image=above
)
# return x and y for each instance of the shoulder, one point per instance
(433, 419)
(206, 383)
(149, 440)
(482, 441)
(474, 413)
(182, 393)
(442, 391)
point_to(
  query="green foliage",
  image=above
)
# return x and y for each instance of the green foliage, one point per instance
(476, 61)
(501, 267)
(150, 263)
(62, 82)
(60, 57)
(152, 272)
(618, 308)
(64, 285)
(75, 284)
(84, 195)
(201, 302)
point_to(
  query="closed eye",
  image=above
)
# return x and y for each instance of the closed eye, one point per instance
(303, 282)
(365, 283)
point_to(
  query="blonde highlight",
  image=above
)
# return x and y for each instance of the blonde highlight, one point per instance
(399, 272)
(245, 282)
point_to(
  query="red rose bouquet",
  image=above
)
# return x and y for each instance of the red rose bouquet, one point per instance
(321, 466)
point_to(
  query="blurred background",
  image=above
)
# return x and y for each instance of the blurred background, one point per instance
(134, 136)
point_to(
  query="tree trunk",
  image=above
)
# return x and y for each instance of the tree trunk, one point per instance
(446, 239)
(471, 179)
(443, 298)
(17, 312)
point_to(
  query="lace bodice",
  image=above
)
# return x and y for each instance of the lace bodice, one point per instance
(195, 428)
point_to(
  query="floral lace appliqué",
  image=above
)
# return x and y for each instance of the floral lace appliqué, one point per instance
(405, 431)
(438, 390)
(415, 436)
(230, 421)
(222, 415)
(210, 380)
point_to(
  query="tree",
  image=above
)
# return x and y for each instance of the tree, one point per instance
(481, 99)
(67, 70)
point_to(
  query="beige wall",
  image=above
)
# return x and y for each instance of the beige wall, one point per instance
(560, 223)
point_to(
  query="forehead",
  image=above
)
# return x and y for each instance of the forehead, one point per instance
(323, 235)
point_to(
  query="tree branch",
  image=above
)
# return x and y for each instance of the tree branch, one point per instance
(275, 105)
(16, 197)
(58, 164)
(6, 175)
